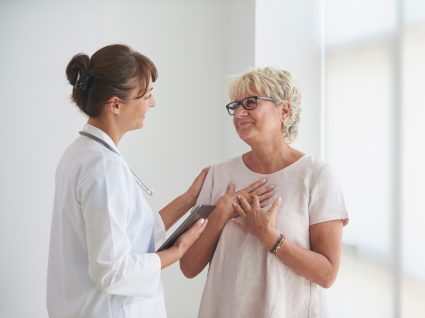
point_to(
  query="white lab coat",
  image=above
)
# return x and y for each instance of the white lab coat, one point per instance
(102, 260)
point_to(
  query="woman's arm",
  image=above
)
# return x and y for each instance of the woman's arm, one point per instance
(173, 211)
(320, 264)
(201, 252)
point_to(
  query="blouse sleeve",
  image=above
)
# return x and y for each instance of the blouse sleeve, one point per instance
(205, 196)
(107, 197)
(326, 200)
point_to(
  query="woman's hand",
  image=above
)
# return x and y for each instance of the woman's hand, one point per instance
(257, 189)
(193, 192)
(255, 220)
(190, 236)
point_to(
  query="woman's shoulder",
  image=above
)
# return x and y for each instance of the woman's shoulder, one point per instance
(313, 162)
(311, 166)
(229, 164)
(319, 170)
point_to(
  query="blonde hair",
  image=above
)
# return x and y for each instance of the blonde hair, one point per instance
(275, 83)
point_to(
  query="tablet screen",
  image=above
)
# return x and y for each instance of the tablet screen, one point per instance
(197, 212)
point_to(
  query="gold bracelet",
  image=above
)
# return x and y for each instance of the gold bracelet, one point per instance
(277, 244)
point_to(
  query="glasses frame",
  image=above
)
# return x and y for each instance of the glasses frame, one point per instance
(232, 106)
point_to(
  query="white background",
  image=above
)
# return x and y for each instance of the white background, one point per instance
(195, 45)
(339, 53)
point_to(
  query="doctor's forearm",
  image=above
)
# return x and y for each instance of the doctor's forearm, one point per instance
(173, 211)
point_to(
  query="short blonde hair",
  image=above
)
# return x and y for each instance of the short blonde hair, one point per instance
(276, 84)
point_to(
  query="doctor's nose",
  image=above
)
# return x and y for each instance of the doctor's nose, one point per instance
(152, 102)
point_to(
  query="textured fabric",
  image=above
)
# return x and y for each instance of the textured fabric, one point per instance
(102, 260)
(244, 278)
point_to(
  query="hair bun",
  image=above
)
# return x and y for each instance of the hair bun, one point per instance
(78, 68)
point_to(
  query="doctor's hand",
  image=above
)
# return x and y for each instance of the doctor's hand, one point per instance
(260, 189)
(193, 192)
(176, 252)
(190, 236)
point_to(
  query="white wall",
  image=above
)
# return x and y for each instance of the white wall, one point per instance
(37, 122)
(285, 34)
(289, 35)
(195, 45)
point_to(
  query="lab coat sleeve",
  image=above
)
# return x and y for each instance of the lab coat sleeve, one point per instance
(160, 232)
(106, 195)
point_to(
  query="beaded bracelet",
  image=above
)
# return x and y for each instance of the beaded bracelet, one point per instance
(277, 244)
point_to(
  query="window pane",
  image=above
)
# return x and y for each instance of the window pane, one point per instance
(358, 140)
(413, 160)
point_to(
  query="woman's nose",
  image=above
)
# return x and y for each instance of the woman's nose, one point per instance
(240, 111)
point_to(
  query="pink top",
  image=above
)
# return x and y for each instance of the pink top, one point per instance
(244, 278)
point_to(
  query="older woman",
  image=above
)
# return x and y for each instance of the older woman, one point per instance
(272, 262)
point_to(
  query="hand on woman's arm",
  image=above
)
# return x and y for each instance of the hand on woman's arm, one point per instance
(201, 252)
(320, 264)
(171, 213)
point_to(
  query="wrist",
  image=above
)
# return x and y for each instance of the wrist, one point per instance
(269, 238)
(276, 246)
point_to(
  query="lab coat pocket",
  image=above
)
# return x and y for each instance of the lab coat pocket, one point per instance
(152, 307)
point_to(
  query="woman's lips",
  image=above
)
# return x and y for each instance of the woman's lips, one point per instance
(243, 124)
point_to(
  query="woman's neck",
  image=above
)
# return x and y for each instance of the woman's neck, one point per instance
(269, 158)
(109, 128)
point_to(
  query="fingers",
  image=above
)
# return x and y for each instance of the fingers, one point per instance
(255, 185)
(244, 203)
(265, 192)
(275, 206)
(230, 188)
(202, 175)
(195, 231)
(199, 226)
(239, 209)
(256, 201)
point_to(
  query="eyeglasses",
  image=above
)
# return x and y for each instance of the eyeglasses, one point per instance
(248, 103)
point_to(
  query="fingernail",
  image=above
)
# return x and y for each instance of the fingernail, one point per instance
(202, 221)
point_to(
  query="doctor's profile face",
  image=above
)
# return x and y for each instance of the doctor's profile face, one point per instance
(134, 109)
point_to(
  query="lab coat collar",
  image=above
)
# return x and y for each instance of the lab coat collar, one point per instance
(100, 134)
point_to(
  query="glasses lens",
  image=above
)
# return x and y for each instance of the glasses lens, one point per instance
(249, 103)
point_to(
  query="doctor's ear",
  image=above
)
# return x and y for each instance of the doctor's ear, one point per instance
(113, 105)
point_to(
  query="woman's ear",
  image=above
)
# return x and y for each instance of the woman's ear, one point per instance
(113, 105)
(286, 111)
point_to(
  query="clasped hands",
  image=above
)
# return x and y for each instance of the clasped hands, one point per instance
(245, 208)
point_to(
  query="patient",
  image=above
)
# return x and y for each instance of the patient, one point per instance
(274, 258)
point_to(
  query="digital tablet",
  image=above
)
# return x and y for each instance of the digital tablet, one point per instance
(197, 212)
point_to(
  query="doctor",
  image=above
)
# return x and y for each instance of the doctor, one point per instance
(102, 260)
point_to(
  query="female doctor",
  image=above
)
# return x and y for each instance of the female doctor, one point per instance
(102, 260)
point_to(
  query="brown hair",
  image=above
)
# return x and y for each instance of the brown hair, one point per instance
(112, 71)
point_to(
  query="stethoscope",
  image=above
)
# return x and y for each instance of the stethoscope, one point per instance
(104, 143)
